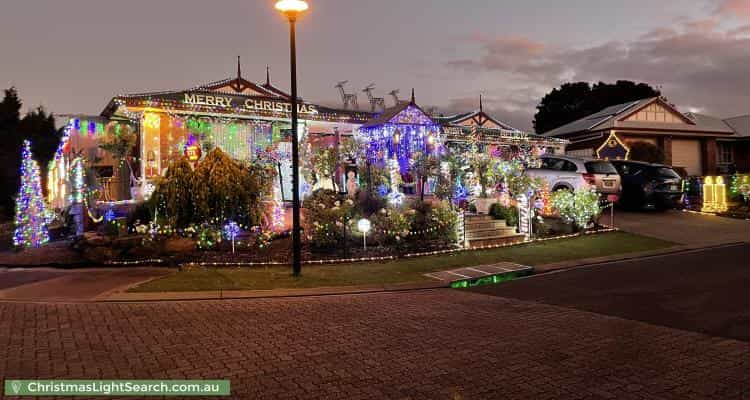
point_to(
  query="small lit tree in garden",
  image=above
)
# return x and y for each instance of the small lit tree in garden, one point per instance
(31, 225)
(450, 186)
(119, 140)
(579, 207)
(325, 162)
(482, 169)
(425, 166)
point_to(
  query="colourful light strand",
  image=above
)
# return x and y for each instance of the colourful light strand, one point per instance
(31, 224)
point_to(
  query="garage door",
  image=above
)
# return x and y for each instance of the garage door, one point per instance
(687, 154)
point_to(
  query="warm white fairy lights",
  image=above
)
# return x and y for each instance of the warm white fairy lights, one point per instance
(393, 258)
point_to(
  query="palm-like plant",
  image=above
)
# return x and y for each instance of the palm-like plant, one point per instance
(482, 168)
(425, 166)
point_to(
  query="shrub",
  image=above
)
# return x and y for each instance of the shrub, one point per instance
(420, 213)
(444, 219)
(579, 207)
(327, 218)
(225, 189)
(112, 228)
(370, 203)
(175, 194)
(509, 214)
(390, 227)
(209, 237)
(496, 211)
(648, 152)
(143, 212)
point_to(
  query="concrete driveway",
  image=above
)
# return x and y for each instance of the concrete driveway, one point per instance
(684, 228)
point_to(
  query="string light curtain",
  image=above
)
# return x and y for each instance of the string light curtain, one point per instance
(408, 132)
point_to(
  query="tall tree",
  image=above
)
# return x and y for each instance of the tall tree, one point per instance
(573, 101)
(37, 126)
(10, 119)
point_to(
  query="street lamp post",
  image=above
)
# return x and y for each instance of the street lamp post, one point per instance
(291, 9)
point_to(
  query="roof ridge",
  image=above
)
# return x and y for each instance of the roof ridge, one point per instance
(736, 117)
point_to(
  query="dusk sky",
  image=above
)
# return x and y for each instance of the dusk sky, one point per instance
(73, 56)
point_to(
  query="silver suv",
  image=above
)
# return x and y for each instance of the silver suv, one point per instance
(571, 173)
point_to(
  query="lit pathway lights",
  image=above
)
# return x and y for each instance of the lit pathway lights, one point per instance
(364, 226)
(231, 231)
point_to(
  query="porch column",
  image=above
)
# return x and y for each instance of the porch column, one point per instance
(708, 151)
(665, 142)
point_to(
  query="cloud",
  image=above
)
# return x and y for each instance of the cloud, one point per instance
(739, 9)
(696, 64)
(503, 54)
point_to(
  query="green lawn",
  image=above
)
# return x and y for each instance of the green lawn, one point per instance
(400, 271)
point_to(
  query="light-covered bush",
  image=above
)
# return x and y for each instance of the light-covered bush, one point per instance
(580, 207)
(225, 189)
(390, 227)
(327, 217)
(444, 219)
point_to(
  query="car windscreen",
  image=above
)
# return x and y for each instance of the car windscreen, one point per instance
(663, 172)
(600, 167)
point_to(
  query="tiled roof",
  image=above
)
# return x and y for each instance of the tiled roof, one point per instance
(594, 120)
(455, 119)
(741, 125)
(612, 118)
(708, 122)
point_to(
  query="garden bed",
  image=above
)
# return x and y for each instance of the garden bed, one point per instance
(409, 270)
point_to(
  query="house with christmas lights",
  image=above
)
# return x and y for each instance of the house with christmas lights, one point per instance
(697, 143)
(249, 120)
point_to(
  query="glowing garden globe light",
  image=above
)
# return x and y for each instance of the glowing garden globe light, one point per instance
(364, 226)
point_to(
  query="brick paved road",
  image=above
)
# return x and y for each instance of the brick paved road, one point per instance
(439, 344)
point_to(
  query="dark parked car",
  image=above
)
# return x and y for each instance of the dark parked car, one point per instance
(648, 186)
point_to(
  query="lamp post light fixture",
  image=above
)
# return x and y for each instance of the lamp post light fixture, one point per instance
(364, 226)
(292, 9)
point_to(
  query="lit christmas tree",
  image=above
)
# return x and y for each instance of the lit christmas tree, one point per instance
(31, 225)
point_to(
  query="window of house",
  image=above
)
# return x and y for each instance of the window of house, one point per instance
(725, 154)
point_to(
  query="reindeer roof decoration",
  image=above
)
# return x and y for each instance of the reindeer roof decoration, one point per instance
(349, 99)
(375, 102)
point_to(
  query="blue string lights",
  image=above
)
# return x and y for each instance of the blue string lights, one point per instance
(408, 132)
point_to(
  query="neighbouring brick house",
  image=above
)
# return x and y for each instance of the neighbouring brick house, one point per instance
(698, 143)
